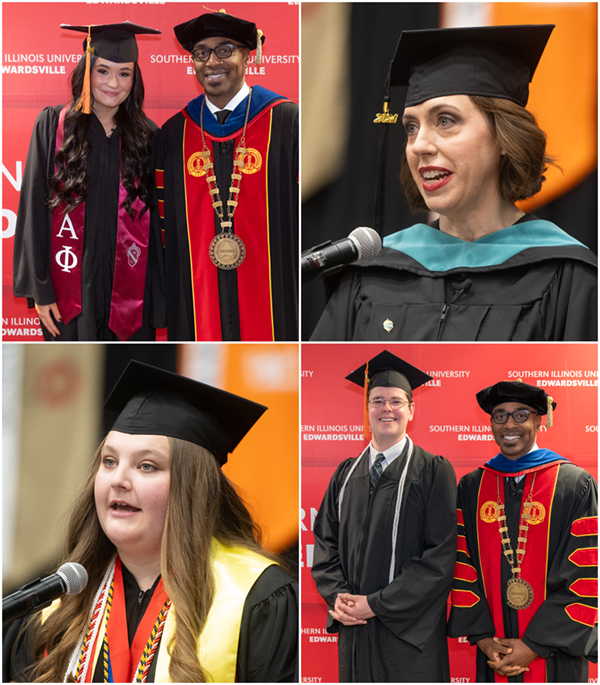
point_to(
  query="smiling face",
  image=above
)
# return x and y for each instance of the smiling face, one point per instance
(515, 439)
(131, 493)
(452, 155)
(388, 424)
(111, 84)
(221, 78)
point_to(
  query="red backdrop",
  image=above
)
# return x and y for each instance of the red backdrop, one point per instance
(36, 63)
(447, 421)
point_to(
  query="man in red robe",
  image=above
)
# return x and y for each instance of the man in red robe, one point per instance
(525, 582)
(227, 185)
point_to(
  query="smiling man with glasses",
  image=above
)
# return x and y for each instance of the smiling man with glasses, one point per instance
(385, 540)
(227, 194)
(525, 583)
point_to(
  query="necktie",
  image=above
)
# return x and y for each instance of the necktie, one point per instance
(375, 471)
(222, 115)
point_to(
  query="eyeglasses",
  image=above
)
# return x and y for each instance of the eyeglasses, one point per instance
(221, 51)
(519, 416)
(394, 404)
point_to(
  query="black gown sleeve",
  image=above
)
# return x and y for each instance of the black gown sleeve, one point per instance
(327, 570)
(17, 655)
(268, 646)
(562, 621)
(470, 615)
(31, 255)
(571, 306)
(338, 319)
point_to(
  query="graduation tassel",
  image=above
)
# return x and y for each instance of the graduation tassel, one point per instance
(384, 118)
(366, 423)
(258, 58)
(84, 102)
(550, 415)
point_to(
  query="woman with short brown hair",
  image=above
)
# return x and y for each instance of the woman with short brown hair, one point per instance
(484, 270)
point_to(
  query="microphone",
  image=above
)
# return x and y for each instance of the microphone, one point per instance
(362, 245)
(70, 579)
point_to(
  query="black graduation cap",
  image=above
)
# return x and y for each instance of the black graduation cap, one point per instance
(493, 61)
(114, 42)
(219, 24)
(386, 370)
(517, 391)
(153, 401)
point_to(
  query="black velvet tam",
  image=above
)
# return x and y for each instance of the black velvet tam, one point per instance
(514, 391)
(217, 24)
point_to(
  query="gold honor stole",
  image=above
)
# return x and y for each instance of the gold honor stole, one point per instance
(235, 571)
(251, 224)
(535, 563)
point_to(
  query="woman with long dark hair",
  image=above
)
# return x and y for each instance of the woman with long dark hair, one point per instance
(180, 589)
(85, 254)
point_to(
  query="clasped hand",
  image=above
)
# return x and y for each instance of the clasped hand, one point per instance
(507, 656)
(351, 610)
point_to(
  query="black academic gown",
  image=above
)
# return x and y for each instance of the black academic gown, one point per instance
(268, 646)
(564, 643)
(281, 189)
(541, 293)
(33, 236)
(406, 640)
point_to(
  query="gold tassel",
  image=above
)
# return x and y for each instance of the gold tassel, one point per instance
(85, 100)
(366, 423)
(258, 58)
(550, 415)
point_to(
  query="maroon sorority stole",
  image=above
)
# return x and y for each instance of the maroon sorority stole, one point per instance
(251, 224)
(535, 560)
(123, 661)
(131, 256)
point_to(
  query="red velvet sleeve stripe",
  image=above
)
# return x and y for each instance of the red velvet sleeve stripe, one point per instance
(460, 518)
(585, 526)
(160, 178)
(582, 613)
(585, 587)
(464, 599)
(587, 556)
(465, 572)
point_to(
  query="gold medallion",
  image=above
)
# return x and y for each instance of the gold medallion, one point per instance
(519, 593)
(227, 251)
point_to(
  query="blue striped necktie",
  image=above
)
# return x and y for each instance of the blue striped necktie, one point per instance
(375, 471)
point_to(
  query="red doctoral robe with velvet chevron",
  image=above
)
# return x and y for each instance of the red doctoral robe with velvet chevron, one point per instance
(560, 563)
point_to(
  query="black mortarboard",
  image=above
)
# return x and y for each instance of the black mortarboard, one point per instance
(517, 391)
(388, 371)
(152, 401)
(219, 24)
(114, 42)
(493, 61)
